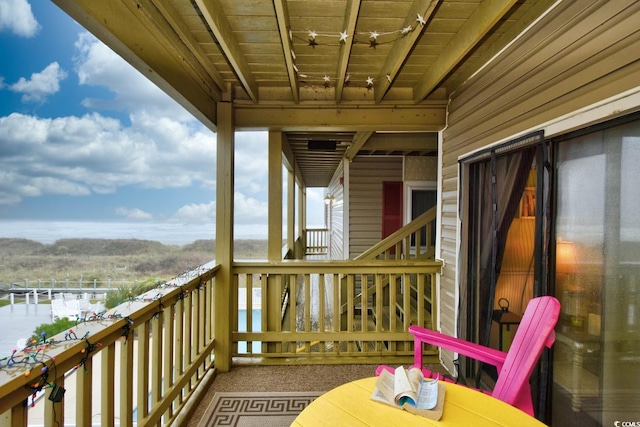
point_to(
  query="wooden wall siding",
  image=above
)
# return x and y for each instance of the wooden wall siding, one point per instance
(580, 54)
(336, 189)
(365, 198)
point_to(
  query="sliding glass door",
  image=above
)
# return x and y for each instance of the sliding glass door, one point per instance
(596, 368)
(505, 226)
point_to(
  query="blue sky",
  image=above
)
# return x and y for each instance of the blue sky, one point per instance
(90, 148)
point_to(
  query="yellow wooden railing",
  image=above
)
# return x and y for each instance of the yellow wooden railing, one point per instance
(317, 241)
(407, 242)
(149, 360)
(144, 362)
(310, 324)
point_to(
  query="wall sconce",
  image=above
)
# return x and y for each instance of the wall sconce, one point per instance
(328, 199)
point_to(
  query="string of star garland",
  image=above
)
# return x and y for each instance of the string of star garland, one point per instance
(372, 38)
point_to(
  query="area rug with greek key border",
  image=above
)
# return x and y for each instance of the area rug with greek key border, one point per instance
(248, 409)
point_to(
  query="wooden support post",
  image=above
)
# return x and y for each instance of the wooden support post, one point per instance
(274, 245)
(224, 234)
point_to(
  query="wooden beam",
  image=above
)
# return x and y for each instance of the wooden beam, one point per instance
(185, 35)
(476, 27)
(359, 139)
(215, 17)
(421, 117)
(402, 47)
(282, 16)
(350, 21)
(423, 141)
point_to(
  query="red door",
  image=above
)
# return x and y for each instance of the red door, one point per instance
(391, 207)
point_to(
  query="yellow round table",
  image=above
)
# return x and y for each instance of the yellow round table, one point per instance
(350, 405)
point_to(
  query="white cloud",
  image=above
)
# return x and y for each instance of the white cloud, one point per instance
(41, 85)
(17, 17)
(196, 213)
(134, 214)
(97, 65)
(315, 207)
(248, 210)
(95, 154)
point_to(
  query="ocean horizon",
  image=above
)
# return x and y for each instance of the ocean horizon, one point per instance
(168, 233)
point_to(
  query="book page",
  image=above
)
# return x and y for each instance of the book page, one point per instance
(436, 412)
(427, 394)
(384, 391)
(406, 385)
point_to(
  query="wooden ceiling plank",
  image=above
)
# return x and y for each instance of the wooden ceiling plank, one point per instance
(403, 46)
(477, 26)
(350, 21)
(216, 19)
(282, 16)
(188, 40)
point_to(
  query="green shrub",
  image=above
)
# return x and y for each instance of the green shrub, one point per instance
(126, 292)
(51, 329)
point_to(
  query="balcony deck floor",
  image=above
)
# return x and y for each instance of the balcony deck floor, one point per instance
(285, 379)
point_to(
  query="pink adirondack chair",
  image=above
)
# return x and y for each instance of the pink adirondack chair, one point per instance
(515, 366)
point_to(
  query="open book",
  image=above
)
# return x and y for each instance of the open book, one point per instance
(409, 390)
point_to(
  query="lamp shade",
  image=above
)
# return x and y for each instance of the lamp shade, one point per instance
(565, 257)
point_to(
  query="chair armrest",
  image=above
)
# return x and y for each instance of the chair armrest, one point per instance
(475, 351)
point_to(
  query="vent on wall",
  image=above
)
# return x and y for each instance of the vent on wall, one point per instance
(321, 145)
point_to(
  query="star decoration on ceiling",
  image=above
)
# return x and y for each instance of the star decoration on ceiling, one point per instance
(347, 79)
(344, 36)
(388, 76)
(312, 38)
(406, 30)
(369, 82)
(373, 39)
(327, 80)
(421, 20)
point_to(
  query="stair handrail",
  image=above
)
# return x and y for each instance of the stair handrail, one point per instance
(398, 236)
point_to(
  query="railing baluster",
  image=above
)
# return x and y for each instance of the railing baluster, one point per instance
(406, 301)
(350, 308)
(107, 385)
(84, 393)
(180, 345)
(321, 302)
(278, 292)
(293, 308)
(307, 303)
(156, 358)
(167, 351)
(54, 411)
(249, 308)
(264, 280)
(190, 350)
(127, 361)
(393, 290)
(143, 371)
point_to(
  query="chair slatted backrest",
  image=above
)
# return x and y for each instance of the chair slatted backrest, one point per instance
(536, 330)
